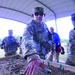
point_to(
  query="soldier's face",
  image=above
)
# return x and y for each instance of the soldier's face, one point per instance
(38, 16)
(10, 33)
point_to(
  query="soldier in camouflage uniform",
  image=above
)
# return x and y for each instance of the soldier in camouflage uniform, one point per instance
(35, 38)
(20, 49)
(9, 44)
(71, 53)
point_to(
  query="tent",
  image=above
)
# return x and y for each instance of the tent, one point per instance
(21, 10)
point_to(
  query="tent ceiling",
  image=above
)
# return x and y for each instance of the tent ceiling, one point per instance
(21, 10)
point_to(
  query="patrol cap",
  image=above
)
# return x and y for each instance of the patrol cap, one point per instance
(10, 31)
(38, 9)
(73, 17)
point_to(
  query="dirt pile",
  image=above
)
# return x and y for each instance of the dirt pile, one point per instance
(16, 66)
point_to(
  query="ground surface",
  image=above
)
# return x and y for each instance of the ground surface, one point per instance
(17, 65)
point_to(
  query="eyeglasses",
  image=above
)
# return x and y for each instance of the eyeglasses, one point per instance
(39, 13)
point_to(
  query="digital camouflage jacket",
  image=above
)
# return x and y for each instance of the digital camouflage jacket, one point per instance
(72, 42)
(10, 44)
(35, 34)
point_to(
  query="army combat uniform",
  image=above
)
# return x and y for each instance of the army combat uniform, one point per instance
(35, 39)
(20, 49)
(71, 53)
(9, 45)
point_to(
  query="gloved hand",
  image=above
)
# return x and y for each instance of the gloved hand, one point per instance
(33, 66)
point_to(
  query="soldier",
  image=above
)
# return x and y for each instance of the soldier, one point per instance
(9, 44)
(35, 37)
(20, 49)
(71, 53)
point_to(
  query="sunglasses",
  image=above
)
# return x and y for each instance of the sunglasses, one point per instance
(39, 13)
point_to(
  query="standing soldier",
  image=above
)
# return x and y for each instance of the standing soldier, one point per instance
(20, 49)
(71, 53)
(34, 38)
(10, 44)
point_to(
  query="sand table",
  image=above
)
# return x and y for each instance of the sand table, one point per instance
(17, 65)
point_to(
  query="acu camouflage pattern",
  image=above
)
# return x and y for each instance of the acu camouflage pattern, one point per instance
(11, 44)
(71, 53)
(33, 38)
(20, 42)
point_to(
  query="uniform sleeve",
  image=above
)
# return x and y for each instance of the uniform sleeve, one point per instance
(2, 45)
(71, 36)
(3, 42)
(28, 48)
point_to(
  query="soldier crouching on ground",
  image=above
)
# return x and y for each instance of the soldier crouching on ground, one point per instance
(10, 44)
(35, 38)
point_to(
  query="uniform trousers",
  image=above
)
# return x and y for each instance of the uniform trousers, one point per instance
(54, 55)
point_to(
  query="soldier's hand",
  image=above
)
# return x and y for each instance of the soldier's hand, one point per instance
(33, 66)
